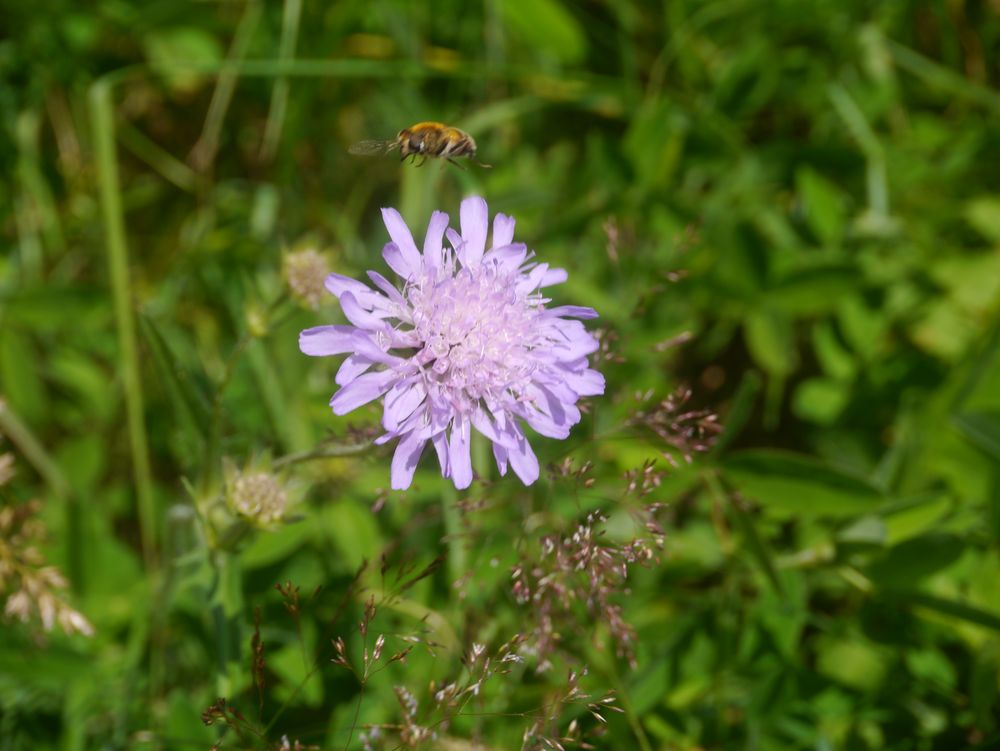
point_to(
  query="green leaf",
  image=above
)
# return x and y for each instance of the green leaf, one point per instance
(813, 290)
(820, 400)
(915, 559)
(982, 429)
(270, 547)
(547, 26)
(188, 402)
(352, 529)
(823, 204)
(955, 609)
(853, 662)
(170, 51)
(19, 375)
(788, 483)
(770, 340)
(983, 214)
(755, 543)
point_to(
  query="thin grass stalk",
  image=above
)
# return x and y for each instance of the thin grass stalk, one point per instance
(103, 125)
(279, 92)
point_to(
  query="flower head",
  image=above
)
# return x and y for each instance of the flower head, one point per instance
(467, 342)
(304, 270)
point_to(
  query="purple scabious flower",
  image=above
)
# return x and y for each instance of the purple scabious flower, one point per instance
(467, 342)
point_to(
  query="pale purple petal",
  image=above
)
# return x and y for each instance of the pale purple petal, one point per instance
(481, 421)
(501, 455)
(586, 383)
(457, 243)
(524, 462)
(509, 257)
(401, 401)
(571, 311)
(532, 280)
(397, 262)
(553, 277)
(320, 341)
(405, 460)
(503, 230)
(358, 315)
(440, 441)
(475, 222)
(386, 286)
(432, 240)
(362, 390)
(401, 236)
(351, 368)
(337, 284)
(543, 423)
(459, 454)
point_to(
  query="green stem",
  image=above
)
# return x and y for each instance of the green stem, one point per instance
(323, 452)
(103, 124)
(457, 559)
(33, 450)
(279, 92)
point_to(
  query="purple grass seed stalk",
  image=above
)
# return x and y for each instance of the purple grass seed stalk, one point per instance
(466, 342)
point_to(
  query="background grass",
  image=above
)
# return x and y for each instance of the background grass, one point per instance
(807, 194)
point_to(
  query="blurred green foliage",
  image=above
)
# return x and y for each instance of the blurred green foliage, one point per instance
(791, 206)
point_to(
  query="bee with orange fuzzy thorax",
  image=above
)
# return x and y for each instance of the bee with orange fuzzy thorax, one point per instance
(424, 140)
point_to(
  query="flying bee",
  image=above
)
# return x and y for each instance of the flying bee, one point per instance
(424, 140)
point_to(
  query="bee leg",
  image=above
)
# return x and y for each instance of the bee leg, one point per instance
(456, 163)
(422, 160)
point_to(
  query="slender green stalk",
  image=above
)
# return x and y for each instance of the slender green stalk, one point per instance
(457, 558)
(279, 92)
(876, 178)
(329, 451)
(203, 153)
(161, 160)
(103, 125)
(32, 450)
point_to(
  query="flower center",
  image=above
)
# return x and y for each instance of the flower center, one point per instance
(477, 334)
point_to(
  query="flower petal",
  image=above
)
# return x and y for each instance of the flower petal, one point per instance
(401, 401)
(362, 390)
(401, 236)
(459, 454)
(531, 281)
(351, 368)
(571, 311)
(320, 341)
(432, 240)
(508, 257)
(481, 421)
(405, 460)
(553, 276)
(387, 287)
(524, 462)
(503, 230)
(338, 284)
(440, 441)
(586, 383)
(394, 257)
(543, 423)
(358, 315)
(501, 455)
(475, 221)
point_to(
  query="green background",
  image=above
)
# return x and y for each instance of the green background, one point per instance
(806, 193)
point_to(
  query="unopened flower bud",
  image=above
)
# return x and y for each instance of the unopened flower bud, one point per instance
(258, 497)
(305, 270)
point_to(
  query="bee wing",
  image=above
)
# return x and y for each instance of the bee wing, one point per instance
(367, 148)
